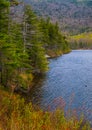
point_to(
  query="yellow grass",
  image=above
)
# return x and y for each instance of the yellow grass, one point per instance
(15, 114)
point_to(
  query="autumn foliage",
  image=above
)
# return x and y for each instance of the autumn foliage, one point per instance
(16, 114)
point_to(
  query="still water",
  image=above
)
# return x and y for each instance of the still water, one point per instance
(68, 82)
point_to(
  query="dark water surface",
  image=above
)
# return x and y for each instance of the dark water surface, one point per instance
(69, 80)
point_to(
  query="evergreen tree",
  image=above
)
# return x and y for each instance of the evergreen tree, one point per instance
(4, 10)
(34, 41)
(53, 40)
(13, 58)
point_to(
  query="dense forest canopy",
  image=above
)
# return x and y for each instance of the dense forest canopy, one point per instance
(24, 42)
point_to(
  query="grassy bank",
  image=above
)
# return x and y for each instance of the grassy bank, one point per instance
(15, 114)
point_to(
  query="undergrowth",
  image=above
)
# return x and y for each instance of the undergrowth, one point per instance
(15, 114)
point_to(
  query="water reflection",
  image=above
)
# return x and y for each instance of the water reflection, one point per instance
(36, 93)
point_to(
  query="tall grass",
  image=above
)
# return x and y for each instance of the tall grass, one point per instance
(15, 114)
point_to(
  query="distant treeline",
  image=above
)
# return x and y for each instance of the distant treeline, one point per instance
(24, 44)
(81, 41)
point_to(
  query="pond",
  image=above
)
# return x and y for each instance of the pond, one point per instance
(67, 83)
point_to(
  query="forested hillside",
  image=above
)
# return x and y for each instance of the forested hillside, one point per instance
(74, 16)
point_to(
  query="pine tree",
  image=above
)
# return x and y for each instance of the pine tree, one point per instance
(53, 39)
(13, 58)
(4, 10)
(34, 41)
